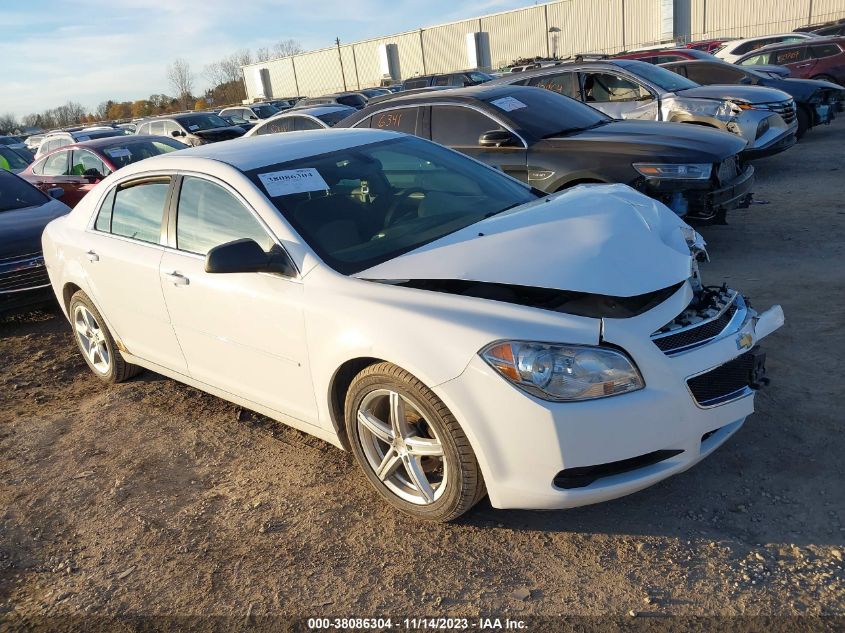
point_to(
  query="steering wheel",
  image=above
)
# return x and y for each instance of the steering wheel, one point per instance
(401, 197)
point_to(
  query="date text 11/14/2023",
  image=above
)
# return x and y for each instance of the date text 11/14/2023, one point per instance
(418, 624)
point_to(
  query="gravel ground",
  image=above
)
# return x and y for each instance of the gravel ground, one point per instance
(152, 498)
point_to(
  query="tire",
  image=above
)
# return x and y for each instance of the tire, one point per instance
(825, 78)
(803, 123)
(96, 343)
(453, 481)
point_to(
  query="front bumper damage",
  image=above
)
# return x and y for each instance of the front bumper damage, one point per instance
(706, 202)
(543, 455)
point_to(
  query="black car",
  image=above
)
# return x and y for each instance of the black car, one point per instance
(353, 99)
(24, 212)
(817, 101)
(234, 119)
(456, 80)
(553, 142)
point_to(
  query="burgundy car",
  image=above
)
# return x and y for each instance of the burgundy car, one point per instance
(78, 167)
(816, 58)
(709, 46)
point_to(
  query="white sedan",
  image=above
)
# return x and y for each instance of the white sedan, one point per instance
(734, 49)
(318, 117)
(461, 333)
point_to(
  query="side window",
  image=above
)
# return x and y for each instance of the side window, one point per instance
(103, 222)
(442, 80)
(209, 215)
(791, 56)
(758, 60)
(56, 165)
(749, 46)
(608, 88)
(157, 127)
(825, 50)
(38, 167)
(707, 74)
(416, 83)
(564, 83)
(276, 126)
(304, 123)
(83, 161)
(455, 126)
(170, 127)
(401, 120)
(138, 209)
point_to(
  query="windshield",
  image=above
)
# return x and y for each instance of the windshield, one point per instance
(660, 77)
(87, 136)
(10, 140)
(234, 119)
(545, 113)
(264, 111)
(17, 194)
(361, 206)
(201, 122)
(133, 151)
(330, 118)
(12, 160)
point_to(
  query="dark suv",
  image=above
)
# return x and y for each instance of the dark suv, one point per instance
(457, 80)
(553, 142)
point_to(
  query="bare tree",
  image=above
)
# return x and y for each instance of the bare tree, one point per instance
(263, 54)
(182, 80)
(286, 48)
(8, 123)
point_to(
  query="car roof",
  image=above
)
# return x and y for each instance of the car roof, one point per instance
(630, 64)
(483, 92)
(109, 141)
(255, 152)
(313, 110)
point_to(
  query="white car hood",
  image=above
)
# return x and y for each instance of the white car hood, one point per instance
(599, 239)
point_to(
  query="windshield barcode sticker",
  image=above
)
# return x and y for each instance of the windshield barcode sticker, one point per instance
(508, 103)
(284, 183)
(119, 152)
(193, 127)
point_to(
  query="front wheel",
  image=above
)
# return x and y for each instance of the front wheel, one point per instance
(410, 446)
(803, 123)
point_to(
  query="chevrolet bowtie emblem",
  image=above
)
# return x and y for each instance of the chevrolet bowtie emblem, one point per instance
(744, 341)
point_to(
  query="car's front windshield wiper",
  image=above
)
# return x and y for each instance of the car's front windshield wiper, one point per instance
(574, 130)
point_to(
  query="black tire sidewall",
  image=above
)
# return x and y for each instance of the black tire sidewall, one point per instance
(451, 497)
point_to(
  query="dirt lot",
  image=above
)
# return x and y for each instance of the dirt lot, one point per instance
(154, 498)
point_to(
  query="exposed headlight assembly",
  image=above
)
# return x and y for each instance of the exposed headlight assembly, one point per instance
(673, 171)
(563, 373)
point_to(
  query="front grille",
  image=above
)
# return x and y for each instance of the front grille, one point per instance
(22, 273)
(724, 383)
(585, 475)
(786, 109)
(696, 335)
(728, 170)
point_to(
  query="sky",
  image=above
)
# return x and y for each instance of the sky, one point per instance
(92, 50)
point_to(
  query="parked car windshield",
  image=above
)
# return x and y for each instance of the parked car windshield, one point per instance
(330, 118)
(87, 136)
(18, 194)
(134, 150)
(12, 160)
(265, 110)
(196, 122)
(545, 113)
(361, 206)
(660, 77)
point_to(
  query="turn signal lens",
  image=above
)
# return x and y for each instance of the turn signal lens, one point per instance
(564, 372)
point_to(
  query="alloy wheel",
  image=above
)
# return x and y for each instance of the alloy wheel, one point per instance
(92, 339)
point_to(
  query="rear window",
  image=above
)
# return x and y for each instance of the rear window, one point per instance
(18, 194)
(356, 101)
(331, 118)
(132, 151)
(825, 50)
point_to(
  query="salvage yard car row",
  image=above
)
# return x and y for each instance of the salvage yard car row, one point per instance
(520, 316)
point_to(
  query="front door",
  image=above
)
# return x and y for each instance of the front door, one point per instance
(243, 333)
(619, 97)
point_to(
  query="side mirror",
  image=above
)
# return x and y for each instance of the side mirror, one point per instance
(55, 192)
(177, 133)
(746, 81)
(92, 175)
(246, 256)
(496, 138)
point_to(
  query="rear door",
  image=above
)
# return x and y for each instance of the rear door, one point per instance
(123, 249)
(460, 128)
(618, 96)
(243, 333)
(797, 58)
(55, 171)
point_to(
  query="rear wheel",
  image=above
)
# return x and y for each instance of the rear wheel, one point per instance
(96, 342)
(410, 446)
(825, 78)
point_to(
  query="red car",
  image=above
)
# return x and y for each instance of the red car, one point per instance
(78, 167)
(709, 46)
(817, 58)
(666, 55)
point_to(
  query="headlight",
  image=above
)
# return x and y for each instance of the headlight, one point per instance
(671, 171)
(563, 372)
(727, 110)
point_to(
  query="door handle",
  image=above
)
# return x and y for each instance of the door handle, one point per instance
(804, 65)
(92, 256)
(176, 279)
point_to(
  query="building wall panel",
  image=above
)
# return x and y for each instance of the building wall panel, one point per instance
(410, 57)
(318, 72)
(642, 22)
(749, 18)
(587, 26)
(516, 35)
(445, 46)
